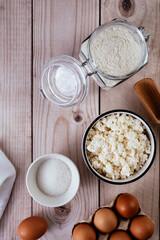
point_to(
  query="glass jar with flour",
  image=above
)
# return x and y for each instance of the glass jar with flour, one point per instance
(114, 52)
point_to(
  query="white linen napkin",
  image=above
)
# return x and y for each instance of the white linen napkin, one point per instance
(7, 178)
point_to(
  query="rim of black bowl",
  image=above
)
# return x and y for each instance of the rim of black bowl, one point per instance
(94, 172)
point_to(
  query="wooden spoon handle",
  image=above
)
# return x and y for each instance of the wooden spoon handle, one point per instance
(149, 94)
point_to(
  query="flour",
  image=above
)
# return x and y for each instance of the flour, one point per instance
(53, 177)
(115, 51)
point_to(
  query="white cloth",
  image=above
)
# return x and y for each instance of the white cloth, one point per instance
(7, 178)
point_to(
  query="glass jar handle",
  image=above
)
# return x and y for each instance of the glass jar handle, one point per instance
(146, 37)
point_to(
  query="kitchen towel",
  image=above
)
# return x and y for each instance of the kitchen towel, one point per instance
(7, 178)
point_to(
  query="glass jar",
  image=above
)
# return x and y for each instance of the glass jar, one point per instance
(65, 79)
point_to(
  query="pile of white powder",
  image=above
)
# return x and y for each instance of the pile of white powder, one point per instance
(53, 177)
(115, 51)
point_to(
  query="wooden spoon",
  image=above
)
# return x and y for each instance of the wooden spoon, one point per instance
(149, 95)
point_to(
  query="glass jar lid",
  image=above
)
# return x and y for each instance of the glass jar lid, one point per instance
(64, 81)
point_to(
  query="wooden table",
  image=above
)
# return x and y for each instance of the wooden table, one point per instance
(31, 32)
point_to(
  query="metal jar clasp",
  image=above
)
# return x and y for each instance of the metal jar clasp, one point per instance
(42, 93)
(146, 37)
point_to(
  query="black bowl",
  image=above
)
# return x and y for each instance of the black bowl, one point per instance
(141, 172)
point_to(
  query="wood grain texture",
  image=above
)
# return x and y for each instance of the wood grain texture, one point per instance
(144, 13)
(59, 28)
(15, 106)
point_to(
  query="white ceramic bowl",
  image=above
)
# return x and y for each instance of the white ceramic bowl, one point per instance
(39, 196)
(137, 174)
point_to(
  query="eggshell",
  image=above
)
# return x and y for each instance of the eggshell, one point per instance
(105, 220)
(84, 231)
(127, 205)
(142, 227)
(123, 224)
(120, 235)
(32, 228)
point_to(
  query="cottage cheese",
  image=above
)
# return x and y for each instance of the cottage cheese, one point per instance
(117, 146)
(116, 51)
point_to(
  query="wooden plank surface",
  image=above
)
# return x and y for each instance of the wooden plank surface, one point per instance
(139, 13)
(59, 28)
(15, 106)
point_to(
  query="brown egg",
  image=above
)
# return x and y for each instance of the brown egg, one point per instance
(127, 205)
(32, 228)
(84, 231)
(142, 227)
(120, 235)
(105, 220)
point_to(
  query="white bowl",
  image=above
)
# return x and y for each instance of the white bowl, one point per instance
(137, 174)
(46, 200)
